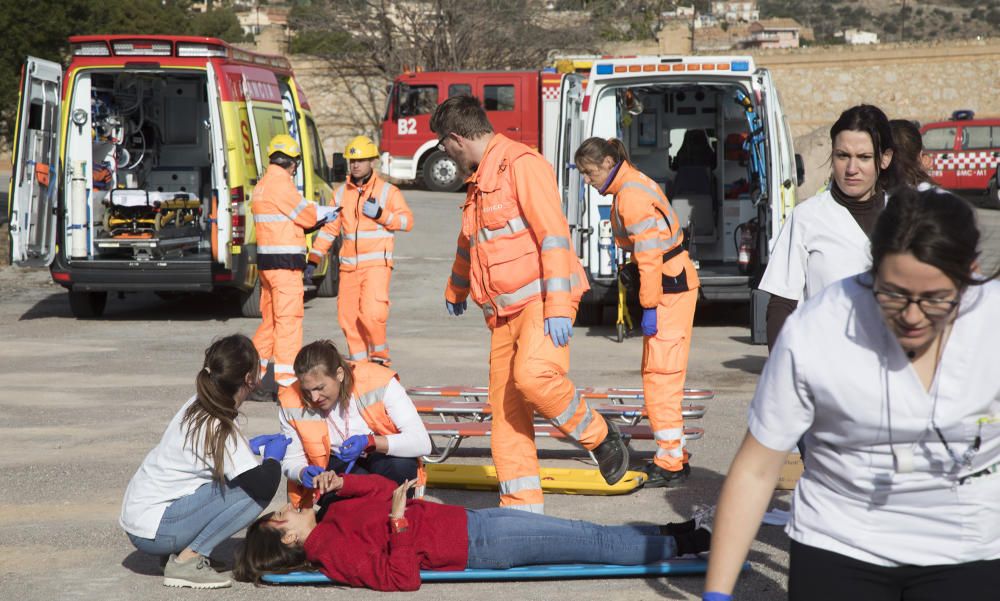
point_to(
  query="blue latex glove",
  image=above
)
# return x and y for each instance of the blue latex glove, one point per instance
(371, 209)
(353, 447)
(307, 274)
(713, 596)
(456, 308)
(649, 322)
(275, 448)
(257, 442)
(308, 473)
(559, 329)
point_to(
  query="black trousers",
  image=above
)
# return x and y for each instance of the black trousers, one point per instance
(397, 469)
(818, 575)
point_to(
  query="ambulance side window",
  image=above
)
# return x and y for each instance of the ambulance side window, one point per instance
(940, 138)
(979, 137)
(319, 159)
(498, 98)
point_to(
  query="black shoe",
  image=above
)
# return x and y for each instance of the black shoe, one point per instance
(657, 477)
(612, 455)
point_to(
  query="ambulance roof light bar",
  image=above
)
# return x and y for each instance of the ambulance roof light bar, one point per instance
(91, 49)
(142, 48)
(188, 49)
(674, 64)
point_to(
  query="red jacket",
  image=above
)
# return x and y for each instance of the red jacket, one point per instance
(354, 543)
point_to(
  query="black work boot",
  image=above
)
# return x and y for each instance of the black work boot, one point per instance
(612, 455)
(657, 477)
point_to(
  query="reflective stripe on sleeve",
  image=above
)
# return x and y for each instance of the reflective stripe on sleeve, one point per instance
(550, 242)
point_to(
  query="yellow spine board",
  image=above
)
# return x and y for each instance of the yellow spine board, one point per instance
(566, 481)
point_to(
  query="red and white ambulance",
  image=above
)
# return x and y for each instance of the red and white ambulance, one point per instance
(134, 166)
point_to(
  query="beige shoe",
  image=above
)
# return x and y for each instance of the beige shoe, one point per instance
(194, 573)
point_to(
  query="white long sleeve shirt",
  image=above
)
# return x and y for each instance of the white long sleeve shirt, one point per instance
(412, 440)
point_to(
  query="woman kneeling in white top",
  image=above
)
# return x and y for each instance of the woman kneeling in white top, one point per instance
(891, 377)
(202, 484)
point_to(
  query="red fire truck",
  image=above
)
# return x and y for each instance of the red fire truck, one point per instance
(517, 103)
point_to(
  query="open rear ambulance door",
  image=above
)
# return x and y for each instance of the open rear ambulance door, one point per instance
(34, 183)
(570, 135)
(220, 189)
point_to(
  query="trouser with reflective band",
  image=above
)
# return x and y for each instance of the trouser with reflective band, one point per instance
(664, 368)
(279, 335)
(363, 310)
(528, 375)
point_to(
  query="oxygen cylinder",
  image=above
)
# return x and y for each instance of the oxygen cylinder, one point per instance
(605, 244)
(745, 248)
(78, 222)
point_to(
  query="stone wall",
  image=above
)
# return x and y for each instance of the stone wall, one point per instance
(925, 82)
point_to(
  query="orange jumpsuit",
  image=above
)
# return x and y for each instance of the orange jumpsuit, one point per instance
(280, 216)
(365, 262)
(515, 259)
(645, 224)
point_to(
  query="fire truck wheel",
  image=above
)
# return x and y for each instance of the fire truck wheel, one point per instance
(87, 305)
(441, 173)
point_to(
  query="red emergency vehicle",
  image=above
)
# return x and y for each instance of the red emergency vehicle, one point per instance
(516, 102)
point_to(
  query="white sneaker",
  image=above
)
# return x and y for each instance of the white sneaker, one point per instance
(703, 516)
(194, 573)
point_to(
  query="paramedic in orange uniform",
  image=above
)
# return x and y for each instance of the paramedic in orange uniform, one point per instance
(515, 259)
(280, 217)
(373, 211)
(646, 225)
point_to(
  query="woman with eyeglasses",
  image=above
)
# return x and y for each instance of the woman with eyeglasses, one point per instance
(891, 377)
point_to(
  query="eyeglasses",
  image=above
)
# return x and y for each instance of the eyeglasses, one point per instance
(440, 144)
(895, 302)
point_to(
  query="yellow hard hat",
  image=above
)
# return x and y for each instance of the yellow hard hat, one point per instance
(360, 147)
(286, 145)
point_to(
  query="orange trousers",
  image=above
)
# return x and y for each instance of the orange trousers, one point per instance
(363, 310)
(528, 375)
(279, 336)
(664, 368)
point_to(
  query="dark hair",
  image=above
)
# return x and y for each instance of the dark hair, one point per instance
(462, 115)
(909, 146)
(262, 551)
(594, 150)
(936, 227)
(211, 419)
(282, 160)
(324, 354)
(872, 121)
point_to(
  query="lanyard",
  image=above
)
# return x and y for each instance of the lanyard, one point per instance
(347, 423)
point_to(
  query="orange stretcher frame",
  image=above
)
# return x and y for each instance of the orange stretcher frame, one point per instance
(481, 411)
(459, 431)
(615, 395)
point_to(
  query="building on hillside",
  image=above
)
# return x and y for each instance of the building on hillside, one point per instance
(735, 11)
(774, 33)
(678, 12)
(857, 36)
(269, 26)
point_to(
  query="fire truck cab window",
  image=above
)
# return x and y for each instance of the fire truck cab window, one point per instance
(417, 100)
(498, 98)
(459, 89)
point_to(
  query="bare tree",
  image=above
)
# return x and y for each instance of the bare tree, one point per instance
(367, 43)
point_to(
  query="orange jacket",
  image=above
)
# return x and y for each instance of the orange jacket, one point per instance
(366, 241)
(370, 380)
(280, 216)
(514, 247)
(645, 224)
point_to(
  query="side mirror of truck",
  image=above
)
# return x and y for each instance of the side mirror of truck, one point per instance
(338, 167)
(800, 170)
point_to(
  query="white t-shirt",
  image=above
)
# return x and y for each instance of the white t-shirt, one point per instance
(173, 470)
(412, 440)
(838, 376)
(819, 244)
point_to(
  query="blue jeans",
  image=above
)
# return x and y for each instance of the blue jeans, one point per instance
(202, 520)
(501, 538)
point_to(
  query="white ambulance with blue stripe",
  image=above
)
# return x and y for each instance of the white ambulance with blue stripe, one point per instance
(731, 199)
